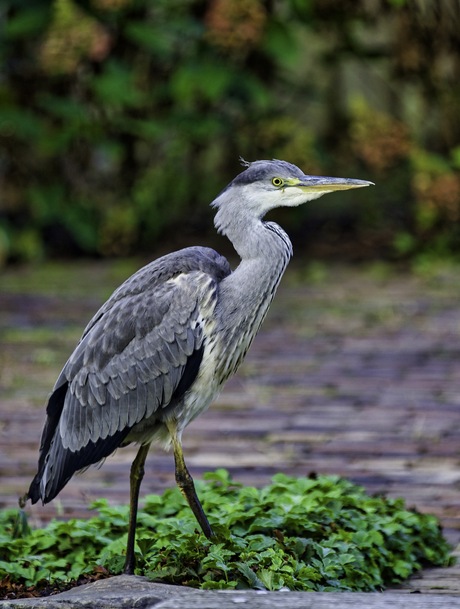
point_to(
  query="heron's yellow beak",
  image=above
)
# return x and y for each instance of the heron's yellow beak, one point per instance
(326, 184)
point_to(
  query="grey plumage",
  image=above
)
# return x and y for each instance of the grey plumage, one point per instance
(130, 359)
(158, 351)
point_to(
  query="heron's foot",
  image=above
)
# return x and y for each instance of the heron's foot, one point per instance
(130, 565)
(205, 526)
(187, 488)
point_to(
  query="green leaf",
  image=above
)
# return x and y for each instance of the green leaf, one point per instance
(249, 575)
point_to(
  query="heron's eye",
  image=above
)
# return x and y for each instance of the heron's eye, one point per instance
(278, 182)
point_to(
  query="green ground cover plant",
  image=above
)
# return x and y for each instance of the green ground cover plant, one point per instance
(319, 533)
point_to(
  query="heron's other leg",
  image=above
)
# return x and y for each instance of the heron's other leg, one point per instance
(186, 486)
(137, 473)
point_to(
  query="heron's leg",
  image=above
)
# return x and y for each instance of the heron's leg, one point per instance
(137, 473)
(186, 486)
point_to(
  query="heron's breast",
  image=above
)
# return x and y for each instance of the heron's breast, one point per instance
(207, 383)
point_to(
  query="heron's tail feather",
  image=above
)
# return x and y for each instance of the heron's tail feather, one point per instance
(61, 464)
(57, 464)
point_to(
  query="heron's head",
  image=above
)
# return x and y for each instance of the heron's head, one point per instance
(265, 185)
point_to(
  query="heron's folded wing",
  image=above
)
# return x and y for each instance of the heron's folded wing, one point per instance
(134, 361)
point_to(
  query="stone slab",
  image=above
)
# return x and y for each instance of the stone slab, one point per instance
(132, 592)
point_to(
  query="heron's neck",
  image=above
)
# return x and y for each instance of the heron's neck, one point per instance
(252, 238)
(265, 250)
(246, 294)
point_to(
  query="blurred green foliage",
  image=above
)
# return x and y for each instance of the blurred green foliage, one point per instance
(120, 120)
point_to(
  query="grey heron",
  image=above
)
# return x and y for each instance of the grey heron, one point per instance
(158, 351)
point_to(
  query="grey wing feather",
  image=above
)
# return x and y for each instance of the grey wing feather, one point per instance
(107, 393)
